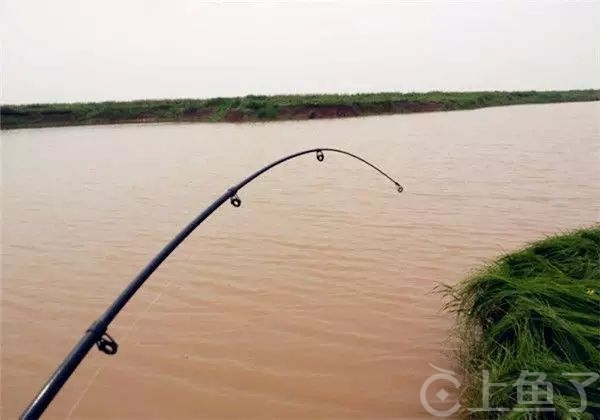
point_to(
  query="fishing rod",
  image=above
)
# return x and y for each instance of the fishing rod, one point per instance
(97, 333)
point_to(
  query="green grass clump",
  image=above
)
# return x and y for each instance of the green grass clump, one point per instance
(222, 109)
(267, 112)
(537, 309)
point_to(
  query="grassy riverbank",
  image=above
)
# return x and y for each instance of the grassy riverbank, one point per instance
(265, 108)
(537, 309)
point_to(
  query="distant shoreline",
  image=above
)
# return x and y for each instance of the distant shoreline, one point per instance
(254, 108)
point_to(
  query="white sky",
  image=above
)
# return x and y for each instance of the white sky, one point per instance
(77, 50)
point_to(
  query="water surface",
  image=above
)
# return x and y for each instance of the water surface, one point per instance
(313, 299)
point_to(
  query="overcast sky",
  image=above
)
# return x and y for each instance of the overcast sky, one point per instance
(64, 51)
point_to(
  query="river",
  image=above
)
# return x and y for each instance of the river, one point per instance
(314, 298)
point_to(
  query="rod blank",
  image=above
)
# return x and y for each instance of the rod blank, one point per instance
(97, 334)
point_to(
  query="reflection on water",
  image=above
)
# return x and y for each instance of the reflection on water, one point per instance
(313, 298)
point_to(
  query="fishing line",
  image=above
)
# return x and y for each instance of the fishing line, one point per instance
(131, 328)
(97, 334)
(140, 315)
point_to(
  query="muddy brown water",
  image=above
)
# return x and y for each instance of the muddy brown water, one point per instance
(313, 299)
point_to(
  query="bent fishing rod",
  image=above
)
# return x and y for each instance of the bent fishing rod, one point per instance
(97, 333)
